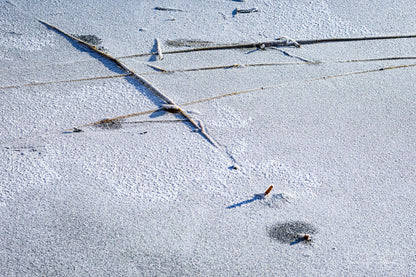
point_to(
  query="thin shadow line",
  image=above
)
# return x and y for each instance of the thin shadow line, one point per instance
(244, 202)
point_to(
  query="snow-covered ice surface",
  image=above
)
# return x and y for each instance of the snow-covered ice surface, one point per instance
(149, 196)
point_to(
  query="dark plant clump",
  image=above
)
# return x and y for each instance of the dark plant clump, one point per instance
(292, 232)
(91, 39)
(188, 43)
(109, 124)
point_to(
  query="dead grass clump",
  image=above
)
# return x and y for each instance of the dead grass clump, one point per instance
(91, 39)
(109, 124)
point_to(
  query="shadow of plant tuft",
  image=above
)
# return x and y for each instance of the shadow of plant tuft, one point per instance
(292, 232)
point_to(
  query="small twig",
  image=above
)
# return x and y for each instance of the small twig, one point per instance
(159, 49)
(201, 125)
(268, 190)
(264, 194)
(156, 68)
(168, 9)
(237, 11)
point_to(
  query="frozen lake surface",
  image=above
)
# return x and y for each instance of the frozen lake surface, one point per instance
(150, 192)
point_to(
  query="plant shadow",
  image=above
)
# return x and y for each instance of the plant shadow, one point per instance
(157, 113)
(153, 58)
(248, 201)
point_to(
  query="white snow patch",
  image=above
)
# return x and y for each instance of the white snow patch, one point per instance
(125, 93)
(228, 117)
(301, 19)
(278, 200)
(26, 42)
(286, 178)
(22, 170)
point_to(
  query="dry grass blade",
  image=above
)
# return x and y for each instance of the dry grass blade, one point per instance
(306, 62)
(377, 59)
(276, 43)
(168, 9)
(159, 69)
